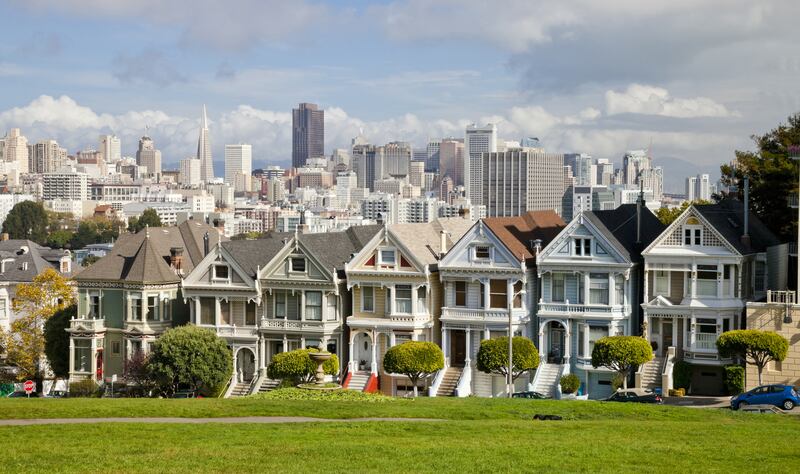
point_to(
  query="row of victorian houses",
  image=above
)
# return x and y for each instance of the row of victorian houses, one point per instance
(452, 281)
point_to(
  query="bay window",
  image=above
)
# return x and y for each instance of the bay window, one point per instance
(403, 299)
(82, 355)
(557, 293)
(661, 283)
(94, 306)
(706, 280)
(136, 309)
(152, 308)
(598, 288)
(498, 294)
(314, 305)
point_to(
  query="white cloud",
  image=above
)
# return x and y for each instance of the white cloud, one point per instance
(650, 100)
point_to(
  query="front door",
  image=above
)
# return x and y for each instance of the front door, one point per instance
(556, 353)
(246, 362)
(458, 348)
(666, 336)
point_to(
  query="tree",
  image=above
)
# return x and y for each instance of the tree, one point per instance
(773, 176)
(95, 231)
(667, 215)
(621, 354)
(136, 372)
(493, 356)
(755, 347)
(56, 340)
(414, 359)
(298, 366)
(38, 301)
(89, 259)
(191, 357)
(27, 220)
(149, 218)
(59, 239)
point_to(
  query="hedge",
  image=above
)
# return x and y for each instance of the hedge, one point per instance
(297, 366)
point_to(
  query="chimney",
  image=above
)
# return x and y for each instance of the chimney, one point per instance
(536, 246)
(443, 238)
(176, 259)
(205, 243)
(220, 225)
(746, 235)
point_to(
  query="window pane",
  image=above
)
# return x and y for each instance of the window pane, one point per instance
(367, 298)
(461, 293)
(421, 300)
(250, 315)
(280, 305)
(225, 312)
(403, 298)
(558, 287)
(482, 252)
(387, 256)
(498, 294)
(152, 308)
(208, 307)
(298, 264)
(314, 305)
(518, 294)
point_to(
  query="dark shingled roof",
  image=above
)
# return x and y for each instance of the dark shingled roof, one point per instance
(37, 257)
(620, 225)
(727, 217)
(517, 232)
(254, 254)
(143, 257)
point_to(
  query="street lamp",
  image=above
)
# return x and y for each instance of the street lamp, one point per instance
(509, 374)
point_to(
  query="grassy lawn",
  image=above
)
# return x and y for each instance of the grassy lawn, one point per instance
(482, 435)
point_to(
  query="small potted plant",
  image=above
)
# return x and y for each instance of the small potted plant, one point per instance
(570, 383)
(362, 364)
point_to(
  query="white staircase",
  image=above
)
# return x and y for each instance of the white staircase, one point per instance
(547, 379)
(268, 385)
(358, 381)
(241, 389)
(651, 373)
(449, 382)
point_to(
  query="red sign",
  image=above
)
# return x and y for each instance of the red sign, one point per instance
(29, 386)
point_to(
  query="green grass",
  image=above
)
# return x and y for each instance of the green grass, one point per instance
(482, 435)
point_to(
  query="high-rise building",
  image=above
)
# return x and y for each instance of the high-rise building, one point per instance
(15, 149)
(148, 156)
(605, 172)
(477, 141)
(368, 163)
(451, 160)
(583, 168)
(698, 188)
(46, 156)
(189, 172)
(515, 182)
(204, 150)
(691, 188)
(432, 160)
(397, 156)
(111, 148)
(416, 173)
(73, 186)
(308, 133)
(238, 159)
(633, 163)
(653, 179)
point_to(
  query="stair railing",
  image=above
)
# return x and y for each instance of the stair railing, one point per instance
(666, 374)
(464, 386)
(434, 388)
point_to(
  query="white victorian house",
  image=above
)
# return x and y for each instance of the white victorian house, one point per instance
(488, 274)
(590, 281)
(699, 273)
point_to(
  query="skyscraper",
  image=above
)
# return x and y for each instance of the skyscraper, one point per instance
(398, 156)
(515, 182)
(308, 133)
(451, 160)
(698, 187)
(634, 162)
(148, 156)
(432, 161)
(478, 140)
(204, 151)
(189, 172)
(238, 160)
(15, 149)
(46, 156)
(111, 148)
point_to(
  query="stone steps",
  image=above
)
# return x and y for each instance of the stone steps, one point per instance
(547, 379)
(358, 381)
(449, 383)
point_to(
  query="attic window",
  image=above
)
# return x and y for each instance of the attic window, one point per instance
(221, 272)
(482, 252)
(24, 266)
(297, 264)
(387, 257)
(582, 247)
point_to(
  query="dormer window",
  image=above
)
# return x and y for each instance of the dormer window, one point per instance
(482, 252)
(582, 247)
(692, 232)
(386, 258)
(297, 264)
(221, 272)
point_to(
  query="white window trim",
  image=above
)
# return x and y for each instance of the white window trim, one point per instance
(305, 264)
(474, 253)
(380, 256)
(693, 228)
(669, 283)
(214, 276)
(582, 255)
(363, 310)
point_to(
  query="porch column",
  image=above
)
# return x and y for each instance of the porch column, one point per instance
(374, 364)
(217, 312)
(486, 333)
(302, 306)
(542, 351)
(285, 343)
(468, 337)
(302, 342)
(352, 363)
(720, 269)
(567, 345)
(645, 294)
(674, 332)
(486, 295)
(392, 339)
(692, 332)
(694, 280)
(94, 358)
(236, 365)
(732, 280)
(197, 310)
(71, 355)
(414, 336)
(262, 354)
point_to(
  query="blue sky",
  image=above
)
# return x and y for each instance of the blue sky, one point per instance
(695, 78)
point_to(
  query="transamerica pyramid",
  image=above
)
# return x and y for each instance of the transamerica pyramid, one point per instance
(204, 151)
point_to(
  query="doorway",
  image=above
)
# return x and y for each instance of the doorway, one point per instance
(246, 364)
(666, 336)
(458, 348)
(555, 336)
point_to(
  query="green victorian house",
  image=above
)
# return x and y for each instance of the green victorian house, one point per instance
(132, 295)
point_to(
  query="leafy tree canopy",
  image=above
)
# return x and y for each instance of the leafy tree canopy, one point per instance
(95, 231)
(56, 340)
(667, 215)
(149, 218)
(27, 220)
(493, 356)
(415, 359)
(621, 354)
(755, 347)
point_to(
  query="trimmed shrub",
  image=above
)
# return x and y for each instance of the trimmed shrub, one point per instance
(324, 395)
(493, 356)
(414, 359)
(734, 379)
(192, 358)
(84, 388)
(754, 347)
(621, 354)
(570, 383)
(682, 375)
(298, 367)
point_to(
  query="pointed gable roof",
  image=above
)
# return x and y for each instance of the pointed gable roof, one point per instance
(727, 217)
(254, 254)
(147, 266)
(517, 232)
(423, 240)
(335, 249)
(619, 227)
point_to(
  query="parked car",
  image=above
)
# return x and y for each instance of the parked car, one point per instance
(636, 395)
(783, 396)
(184, 394)
(534, 395)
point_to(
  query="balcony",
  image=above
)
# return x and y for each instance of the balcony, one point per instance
(237, 331)
(705, 342)
(481, 315)
(571, 308)
(87, 325)
(283, 324)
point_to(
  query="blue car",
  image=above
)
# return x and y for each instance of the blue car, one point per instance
(783, 396)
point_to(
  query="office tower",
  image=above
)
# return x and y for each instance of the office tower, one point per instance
(340, 157)
(515, 182)
(70, 185)
(653, 179)
(583, 168)
(416, 173)
(478, 140)
(633, 163)
(446, 189)
(238, 159)
(111, 148)
(204, 150)
(190, 172)
(432, 160)
(605, 172)
(15, 149)
(451, 160)
(691, 188)
(46, 156)
(308, 133)
(419, 154)
(397, 156)
(148, 156)
(368, 163)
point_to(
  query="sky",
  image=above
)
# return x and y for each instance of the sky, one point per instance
(692, 80)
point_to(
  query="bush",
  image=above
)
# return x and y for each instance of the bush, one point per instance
(190, 357)
(84, 388)
(734, 379)
(682, 375)
(570, 383)
(323, 395)
(298, 367)
(493, 356)
(415, 359)
(621, 354)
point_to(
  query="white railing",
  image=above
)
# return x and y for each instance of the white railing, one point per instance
(574, 308)
(409, 318)
(94, 325)
(562, 371)
(237, 331)
(781, 297)
(437, 381)
(464, 387)
(290, 324)
(470, 314)
(705, 341)
(666, 374)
